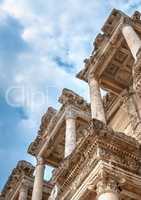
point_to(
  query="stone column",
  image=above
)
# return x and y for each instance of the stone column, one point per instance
(23, 193)
(134, 43)
(70, 135)
(38, 181)
(97, 108)
(132, 39)
(107, 190)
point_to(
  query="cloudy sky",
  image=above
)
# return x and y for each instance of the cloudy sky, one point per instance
(42, 47)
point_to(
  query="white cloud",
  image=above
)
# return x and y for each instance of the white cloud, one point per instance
(64, 30)
(53, 30)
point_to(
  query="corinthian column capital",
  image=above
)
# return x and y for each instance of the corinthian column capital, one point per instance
(40, 160)
(70, 113)
(110, 185)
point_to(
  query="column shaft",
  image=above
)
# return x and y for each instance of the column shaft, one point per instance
(70, 137)
(134, 43)
(23, 194)
(38, 182)
(132, 39)
(97, 108)
(108, 196)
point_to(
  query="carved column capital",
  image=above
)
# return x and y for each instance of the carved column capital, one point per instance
(40, 160)
(24, 187)
(91, 78)
(127, 22)
(70, 113)
(107, 185)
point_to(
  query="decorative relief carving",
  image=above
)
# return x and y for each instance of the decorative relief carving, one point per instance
(107, 185)
(100, 143)
(54, 193)
(130, 105)
(108, 100)
(136, 17)
(46, 119)
(22, 168)
(70, 113)
(40, 161)
(68, 97)
(137, 74)
(100, 40)
(39, 140)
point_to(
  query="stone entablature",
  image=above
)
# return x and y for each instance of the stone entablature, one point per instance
(20, 183)
(111, 61)
(100, 145)
(68, 97)
(39, 140)
(23, 168)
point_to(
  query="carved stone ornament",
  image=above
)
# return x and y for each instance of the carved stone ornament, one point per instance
(70, 113)
(40, 161)
(22, 168)
(107, 185)
(35, 146)
(136, 17)
(54, 193)
(137, 74)
(69, 97)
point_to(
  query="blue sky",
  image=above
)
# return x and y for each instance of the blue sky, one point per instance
(42, 47)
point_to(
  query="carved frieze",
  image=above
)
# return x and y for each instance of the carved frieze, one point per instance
(137, 74)
(23, 168)
(107, 185)
(35, 146)
(101, 143)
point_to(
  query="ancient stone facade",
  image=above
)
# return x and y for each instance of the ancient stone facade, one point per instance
(19, 185)
(95, 148)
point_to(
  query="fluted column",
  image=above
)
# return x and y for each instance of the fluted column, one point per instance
(39, 178)
(97, 108)
(70, 135)
(132, 39)
(23, 193)
(107, 190)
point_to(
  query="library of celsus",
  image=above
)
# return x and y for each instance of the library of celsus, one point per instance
(94, 148)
